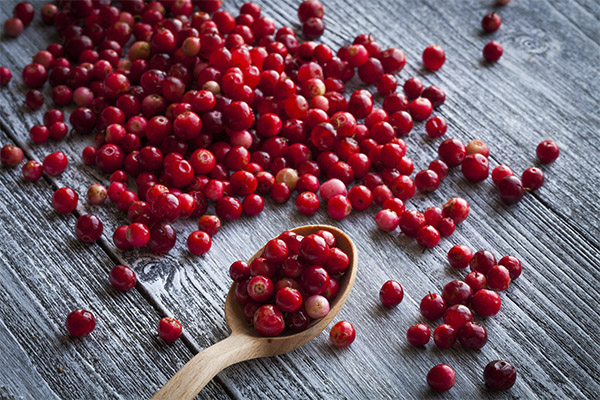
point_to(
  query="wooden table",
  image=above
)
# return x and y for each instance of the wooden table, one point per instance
(545, 86)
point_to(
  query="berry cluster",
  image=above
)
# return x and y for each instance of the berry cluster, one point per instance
(291, 283)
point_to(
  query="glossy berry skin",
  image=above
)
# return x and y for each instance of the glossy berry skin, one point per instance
(457, 292)
(436, 127)
(456, 208)
(80, 323)
(239, 271)
(5, 76)
(491, 22)
(88, 228)
(547, 151)
(11, 156)
(32, 170)
(169, 329)
(316, 306)
(64, 200)
(441, 378)
(532, 178)
(510, 189)
(498, 278)
(492, 51)
(420, 109)
(500, 172)
(427, 180)
(314, 280)
(313, 28)
(428, 236)
(162, 238)
(260, 288)
(268, 321)
(418, 335)
(314, 249)
(342, 334)
(482, 261)
(472, 336)
(458, 315)
(307, 203)
(288, 299)
(55, 163)
(476, 281)
(391, 294)
(478, 146)
(339, 207)
(137, 234)
(228, 208)
(360, 197)
(199, 242)
(475, 167)
(411, 221)
(512, 264)
(499, 375)
(122, 278)
(444, 336)
(446, 226)
(486, 302)
(459, 256)
(440, 168)
(452, 152)
(310, 9)
(433, 306)
(275, 251)
(387, 220)
(434, 57)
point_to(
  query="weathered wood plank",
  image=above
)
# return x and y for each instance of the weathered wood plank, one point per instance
(544, 86)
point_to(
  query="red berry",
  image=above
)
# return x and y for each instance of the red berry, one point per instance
(428, 236)
(436, 126)
(413, 87)
(456, 208)
(458, 315)
(137, 234)
(441, 378)
(500, 172)
(476, 281)
(411, 221)
(459, 256)
(498, 278)
(433, 306)
(32, 170)
(477, 146)
(199, 242)
(308, 203)
(457, 292)
(418, 335)
(268, 321)
(446, 226)
(427, 180)
(420, 109)
(482, 261)
(486, 302)
(55, 163)
(342, 334)
(512, 264)
(434, 57)
(472, 336)
(491, 22)
(532, 178)
(80, 323)
(511, 189)
(88, 228)
(475, 167)
(547, 151)
(391, 294)
(492, 51)
(288, 299)
(387, 220)
(169, 329)
(310, 9)
(444, 336)
(64, 200)
(11, 156)
(5, 76)
(452, 152)
(122, 278)
(13, 27)
(499, 375)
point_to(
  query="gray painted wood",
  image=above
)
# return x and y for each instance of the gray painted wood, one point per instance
(545, 86)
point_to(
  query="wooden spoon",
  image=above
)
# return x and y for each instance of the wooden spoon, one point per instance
(244, 343)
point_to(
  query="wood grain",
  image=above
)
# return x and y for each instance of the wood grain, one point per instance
(545, 86)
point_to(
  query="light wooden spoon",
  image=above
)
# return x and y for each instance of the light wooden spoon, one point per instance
(244, 343)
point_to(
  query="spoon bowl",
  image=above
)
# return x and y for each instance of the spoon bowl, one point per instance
(244, 343)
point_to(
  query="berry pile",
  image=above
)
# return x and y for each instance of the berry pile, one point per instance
(291, 283)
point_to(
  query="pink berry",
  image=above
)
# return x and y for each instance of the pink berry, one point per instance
(316, 306)
(387, 220)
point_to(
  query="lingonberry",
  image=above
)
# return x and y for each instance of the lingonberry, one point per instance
(80, 323)
(482, 261)
(440, 168)
(39, 134)
(89, 155)
(477, 146)
(428, 236)
(472, 336)
(88, 228)
(420, 109)
(331, 188)
(387, 220)
(371, 71)
(452, 152)
(492, 51)
(310, 9)
(165, 207)
(427, 180)
(411, 221)
(446, 226)
(499, 375)
(441, 378)
(316, 306)
(491, 22)
(239, 271)
(456, 208)
(289, 176)
(342, 334)
(162, 238)
(512, 264)
(547, 151)
(275, 251)
(339, 207)
(288, 299)
(434, 57)
(500, 172)
(486, 302)
(391, 294)
(109, 158)
(394, 204)
(511, 189)
(328, 236)
(169, 329)
(418, 335)
(457, 292)
(13, 27)
(268, 321)
(476, 281)
(34, 99)
(253, 204)
(314, 249)
(64, 200)
(280, 192)
(307, 183)
(83, 120)
(444, 336)
(459, 256)
(307, 203)
(314, 280)
(32, 170)
(435, 95)
(137, 234)
(532, 178)
(498, 278)
(436, 126)
(297, 321)
(386, 84)
(122, 278)
(475, 167)
(260, 288)
(433, 306)
(5, 76)
(55, 163)
(403, 187)
(433, 215)
(58, 130)
(228, 208)
(458, 315)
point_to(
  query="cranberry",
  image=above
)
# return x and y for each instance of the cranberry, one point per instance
(268, 321)
(331, 188)
(428, 236)
(436, 126)
(475, 167)
(58, 130)
(498, 278)
(288, 299)
(387, 220)
(165, 206)
(452, 152)
(371, 71)
(491, 22)
(435, 95)
(11, 156)
(446, 226)
(532, 178)
(427, 180)
(328, 236)
(395, 205)
(314, 280)
(137, 234)
(342, 334)
(35, 75)
(80, 323)
(5, 76)
(486, 303)
(280, 192)
(512, 264)
(441, 378)
(418, 335)
(122, 278)
(391, 294)
(13, 27)
(228, 208)
(310, 9)
(458, 315)
(88, 228)
(492, 51)
(433, 306)
(403, 187)
(307, 203)
(459, 256)
(457, 292)
(411, 221)
(500, 172)
(476, 281)
(477, 146)
(34, 99)
(64, 200)
(420, 109)
(499, 375)
(55, 163)
(169, 329)
(510, 189)
(434, 57)
(440, 168)
(472, 336)
(297, 321)
(482, 261)
(162, 238)
(316, 306)
(547, 151)
(413, 87)
(253, 204)
(444, 336)
(32, 170)
(339, 207)
(456, 208)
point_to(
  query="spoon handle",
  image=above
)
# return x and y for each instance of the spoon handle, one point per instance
(197, 372)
